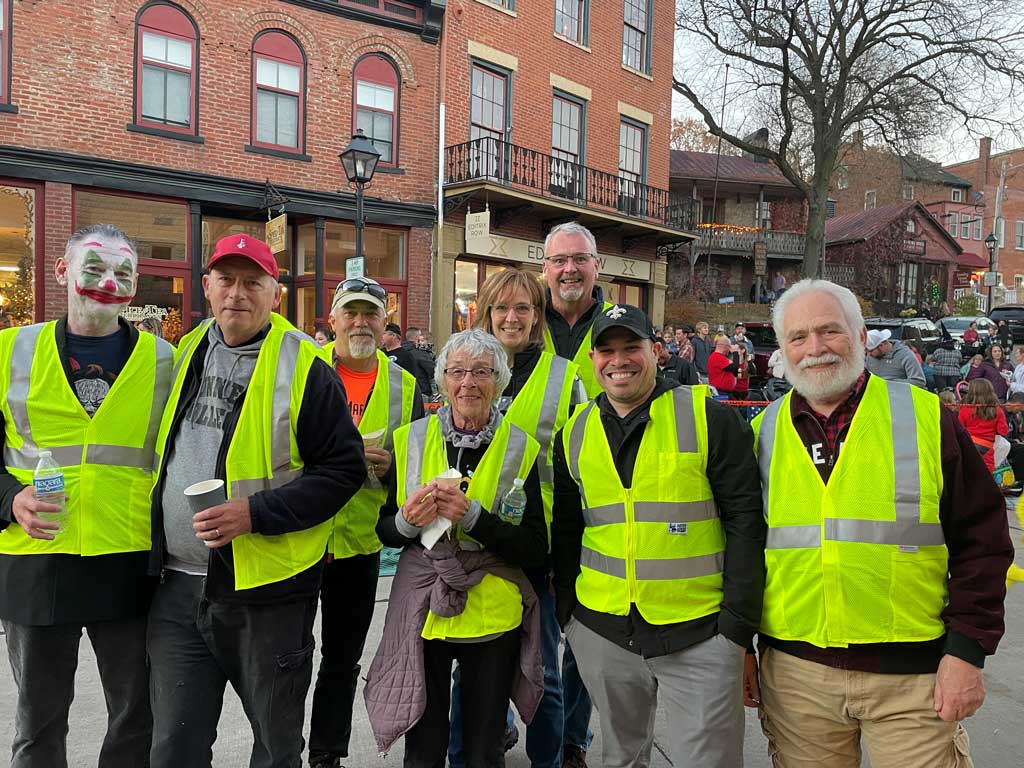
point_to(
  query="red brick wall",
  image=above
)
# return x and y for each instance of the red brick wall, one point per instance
(73, 73)
(58, 229)
(529, 36)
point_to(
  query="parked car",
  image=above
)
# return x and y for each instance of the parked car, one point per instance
(1013, 314)
(957, 324)
(919, 332)
(762, 334)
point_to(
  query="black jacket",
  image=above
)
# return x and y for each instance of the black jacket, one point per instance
(736, 486)
(334, 469)
(679, 371)
(423, 363)
(702, 349)
(44, 590)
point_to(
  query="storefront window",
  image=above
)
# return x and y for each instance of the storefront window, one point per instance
(17, 255)
(214, 228)
(384, 250)
(305, 309)
(159, 228)
(306, 250)
(467, 275)
(162, 297)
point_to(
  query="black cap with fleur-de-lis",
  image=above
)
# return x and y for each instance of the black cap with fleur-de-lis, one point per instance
(625, 316)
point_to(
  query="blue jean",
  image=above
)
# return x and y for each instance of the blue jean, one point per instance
(563, 716)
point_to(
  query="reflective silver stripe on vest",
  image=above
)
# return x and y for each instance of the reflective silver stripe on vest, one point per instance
(686, 427)
(654, 570)
(414, 455)
(17, 392)
(65, 455)
(906, 529)
(510, 464)
(280, 419)
(549, 415)
(161, 389)
(579, 427)
(904, 445)
(395, 402)
(119, 456)
(652, 512)
(766, 446)
(246, 488)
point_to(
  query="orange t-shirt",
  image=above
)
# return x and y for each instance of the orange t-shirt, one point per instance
(357, 388)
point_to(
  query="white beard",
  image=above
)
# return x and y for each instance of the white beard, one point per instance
(570, 293)
(826, 387)
(362, 347)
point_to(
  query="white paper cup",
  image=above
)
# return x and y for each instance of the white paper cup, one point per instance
(205, 494)
(374, 439)
(451, 478)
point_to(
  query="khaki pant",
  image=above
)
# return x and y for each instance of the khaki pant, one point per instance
(815, 716)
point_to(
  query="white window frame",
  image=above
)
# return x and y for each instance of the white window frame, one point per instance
(954, 223)
(908, 191)
(871, 195)
(958, 195)
(1019, 236)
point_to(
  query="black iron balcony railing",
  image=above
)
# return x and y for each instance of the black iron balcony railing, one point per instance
(489, 159)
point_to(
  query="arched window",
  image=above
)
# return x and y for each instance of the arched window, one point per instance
(166, 68)
(376, 96)
(278, 92)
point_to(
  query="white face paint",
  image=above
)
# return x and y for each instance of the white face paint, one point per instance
(101, 274)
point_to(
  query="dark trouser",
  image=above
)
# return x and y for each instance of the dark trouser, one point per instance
(1016, 459)
(44, 661)
(945, 382)
(196, 647)
(487, 671)
(346, 609)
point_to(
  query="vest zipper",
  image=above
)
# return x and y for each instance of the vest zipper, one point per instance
(630, 549)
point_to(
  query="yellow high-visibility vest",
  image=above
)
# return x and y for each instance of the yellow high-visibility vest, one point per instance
(581, 358)
(541, 409)
(658, 544)
(389, 407)
(494, 605)
(862, 559)
(107, 459)
(263, 453)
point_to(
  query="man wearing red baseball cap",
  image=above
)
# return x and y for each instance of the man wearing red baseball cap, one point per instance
(240, 578)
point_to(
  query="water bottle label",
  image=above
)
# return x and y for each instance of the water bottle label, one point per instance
(53, 484)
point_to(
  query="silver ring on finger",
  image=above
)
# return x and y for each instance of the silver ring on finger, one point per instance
(217, 532)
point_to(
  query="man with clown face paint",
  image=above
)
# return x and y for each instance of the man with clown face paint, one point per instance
(90, 389)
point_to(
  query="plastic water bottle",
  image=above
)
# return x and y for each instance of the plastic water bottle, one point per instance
(514, 503)
(48, 480)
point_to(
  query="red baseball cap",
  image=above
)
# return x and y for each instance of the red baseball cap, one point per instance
(255, 250)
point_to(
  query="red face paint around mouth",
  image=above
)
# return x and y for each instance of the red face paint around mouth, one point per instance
(101, 297)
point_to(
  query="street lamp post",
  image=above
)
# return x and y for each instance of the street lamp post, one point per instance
(990, 243)
(359, 160)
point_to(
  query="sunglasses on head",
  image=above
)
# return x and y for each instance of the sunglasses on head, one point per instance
(362, 285)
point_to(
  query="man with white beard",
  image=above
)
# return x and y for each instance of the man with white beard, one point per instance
(381, 397)
(885, 578)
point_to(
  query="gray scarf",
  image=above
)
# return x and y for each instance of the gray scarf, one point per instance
(461, 439)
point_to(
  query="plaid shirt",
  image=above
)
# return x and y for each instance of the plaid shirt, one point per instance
(833, 427)
(947, 362)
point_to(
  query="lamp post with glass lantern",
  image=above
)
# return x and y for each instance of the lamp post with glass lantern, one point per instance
(359, 160)
(990, 243)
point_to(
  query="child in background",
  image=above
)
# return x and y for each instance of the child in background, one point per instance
(983, 418)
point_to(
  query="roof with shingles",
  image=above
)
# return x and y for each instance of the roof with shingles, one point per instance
(863, 225)
(701, 165)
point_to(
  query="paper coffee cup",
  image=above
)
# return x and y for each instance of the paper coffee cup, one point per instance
(374, 439)
(205, 494)
(451, 477)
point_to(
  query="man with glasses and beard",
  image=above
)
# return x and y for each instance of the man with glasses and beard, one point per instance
(381, 397)
(885, 578)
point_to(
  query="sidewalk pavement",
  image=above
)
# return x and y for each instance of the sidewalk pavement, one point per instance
(994, 731)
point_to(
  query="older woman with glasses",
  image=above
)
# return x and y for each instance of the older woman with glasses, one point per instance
(459, 592)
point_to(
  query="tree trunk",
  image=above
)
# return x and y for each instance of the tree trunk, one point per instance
(814, 243)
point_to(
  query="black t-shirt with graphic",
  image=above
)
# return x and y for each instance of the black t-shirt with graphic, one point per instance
(95, 363)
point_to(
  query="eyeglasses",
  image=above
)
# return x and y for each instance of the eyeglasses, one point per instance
(579, 259)
(362, 285)
(480, 374)
(519, 309)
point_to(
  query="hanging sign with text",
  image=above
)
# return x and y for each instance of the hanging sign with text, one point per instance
(275, 233)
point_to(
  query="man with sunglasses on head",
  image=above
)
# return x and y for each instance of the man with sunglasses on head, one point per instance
(381, 398)
(239, 580)
(570, 270)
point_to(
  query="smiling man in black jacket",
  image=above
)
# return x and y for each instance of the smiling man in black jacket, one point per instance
(239, 580)
(658, 552)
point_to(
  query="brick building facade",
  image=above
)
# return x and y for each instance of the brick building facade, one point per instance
(556, 111)
(169, 120)
(984, 172)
